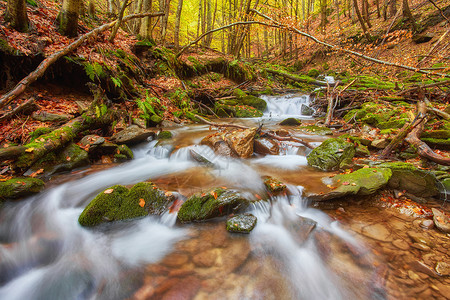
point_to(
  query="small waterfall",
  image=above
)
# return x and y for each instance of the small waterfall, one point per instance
(285, 106)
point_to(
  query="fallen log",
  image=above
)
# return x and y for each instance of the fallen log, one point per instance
(422, 148)
(300, 79)
(40, 70)
(27, 107)
(263, 133)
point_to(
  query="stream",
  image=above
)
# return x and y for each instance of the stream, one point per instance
(346, 250)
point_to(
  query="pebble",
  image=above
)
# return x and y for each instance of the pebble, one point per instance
(421, 247)
(427, 224)
(419, 238)
(401, 244)
(413, 275)
(377, 232)
(443, 268)
(419, 266)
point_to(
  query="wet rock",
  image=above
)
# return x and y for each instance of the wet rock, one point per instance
(419, 266)
(364, 181)
(378, 232)
(213, 203)
(316, 130)
(427, 224)
(175, 260)
(306, 110)
(441, 220)
(164, 135)
(132, 135)
(406, 176)
(123, 153)
(419, 238)
(444, 289)
(44, 116)
(185, 288)
(20, 187)
(71, 157)
(266, 146)
(421, 247)
(170, 124)
(253, 101)
(401, 244)
(332, 154)
(119, 203)
(243, 223)
(443, 268)
(205, 259)
(290, 122)
(274, 186)
(91, 140)
(237, 143)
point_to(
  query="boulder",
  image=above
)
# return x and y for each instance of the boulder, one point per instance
(120, 203)
(364, 181)
(71, 157)
(274, 186)
(290, 122)
(406, 176)
(213, 203)
(255, 102)
(164, 135)
(236, 143)
(132, 135)
(332, 154)
(266, 146)
(441, 220)
(243, 223)
(20, 187)
(306, 110)
(123, 153)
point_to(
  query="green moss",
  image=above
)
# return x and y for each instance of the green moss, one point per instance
(124, 150)
(238, 93)
(436, 134)
(38, 132)
(238, 111)
(392, 123)
(392, 98)
(273, 185)
(291, 122)
(332, 154)
(318, 130)
(313, 73)
(118, 203)
(146, 42)
(20, 187)
(364, 181)
(163, 135)
(214, 203)
(243, 223)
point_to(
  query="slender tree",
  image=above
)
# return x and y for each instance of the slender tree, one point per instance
(176, 38)
(16, 15)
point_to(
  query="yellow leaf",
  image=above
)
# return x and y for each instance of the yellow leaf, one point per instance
(108, 191)
(141, 202)
(29, 149)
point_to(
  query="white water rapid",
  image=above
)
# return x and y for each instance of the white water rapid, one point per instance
(46, 254)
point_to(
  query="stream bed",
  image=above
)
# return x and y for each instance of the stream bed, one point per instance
(347, 249)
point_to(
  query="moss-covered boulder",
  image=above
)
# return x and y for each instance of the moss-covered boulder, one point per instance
(210, 204)
(406, 176)
(274, 185)
(316, 130)
(71, 157)
(123, 153)
(120, 203)
(238, 111)
(243, 223)
(332, 154)
(20, 187)
(291, 122)
(164, 135)
(364, 181)
(255, 102)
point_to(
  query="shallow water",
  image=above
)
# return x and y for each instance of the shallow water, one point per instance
(295, 251)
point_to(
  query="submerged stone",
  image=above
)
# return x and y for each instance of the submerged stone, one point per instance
(20, 187)
(274, 186)
(266, 146)
(120, 203)
(332, 154)
(243, 223)
(213, 203)
(236, 143)
(306, 110)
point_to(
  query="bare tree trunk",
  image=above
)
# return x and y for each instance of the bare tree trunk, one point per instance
(407, 14)
(361, 21)
(177, 25)
(16, 15)
(68, 17)
(165, 18)
(146, 23)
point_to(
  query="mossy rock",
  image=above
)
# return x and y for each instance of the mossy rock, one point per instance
(119, 203)
(255, 102)
(243, 223)
(123, 153)
(393, 123)
(317, 130)
(211, 204)
(238, 93)
(406, 176)
(291, 122)
(238, 111)
(20, 187)
(71, 157)
(313, 73)
(38, 132)
(274, 186)
(332, 154)
(436, 134)
(164, 135)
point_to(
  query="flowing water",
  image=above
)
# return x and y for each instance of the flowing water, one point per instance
(295, 251)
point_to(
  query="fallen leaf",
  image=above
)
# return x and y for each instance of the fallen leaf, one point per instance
(108, 191)
(141, 202)
(31, 149)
